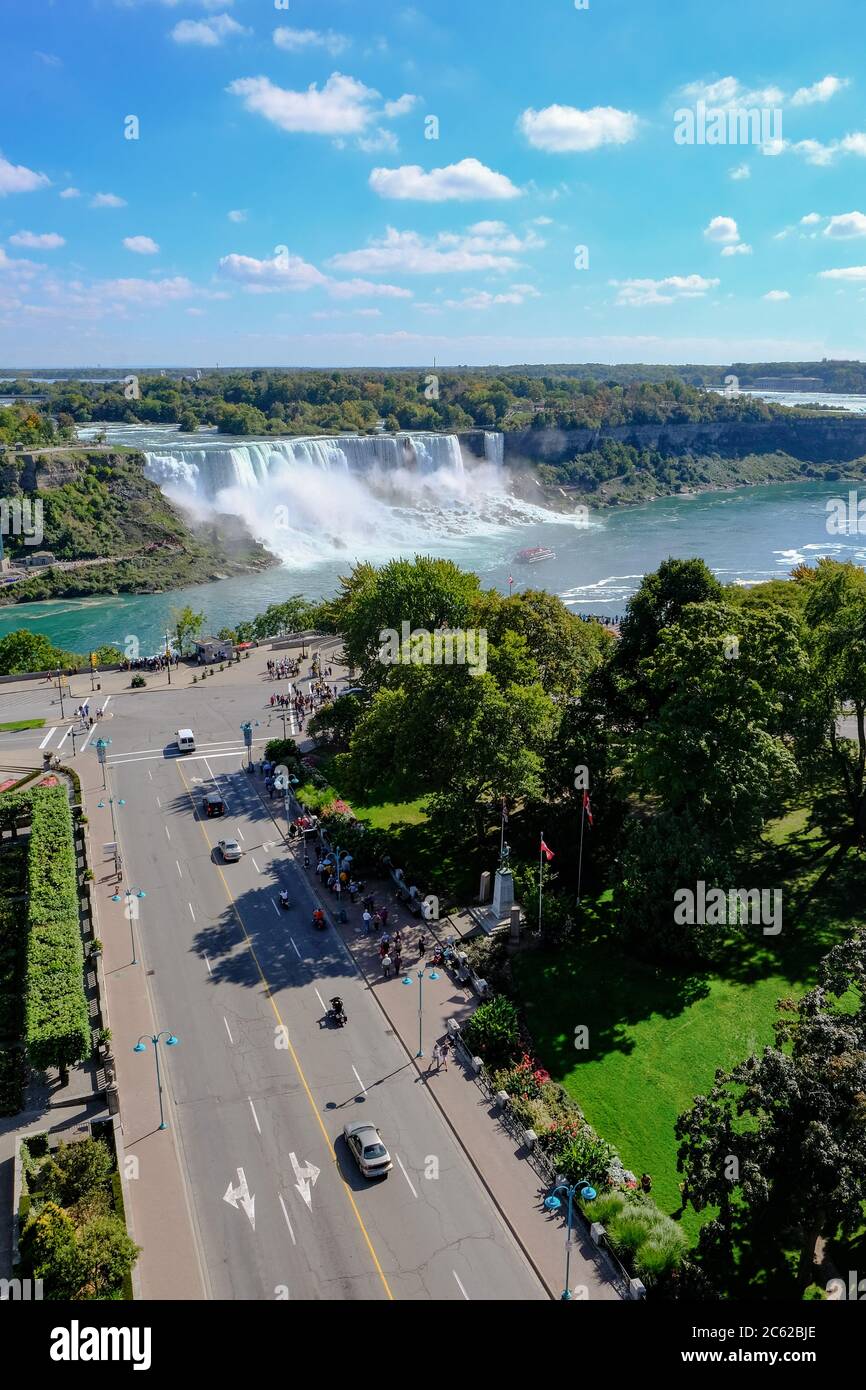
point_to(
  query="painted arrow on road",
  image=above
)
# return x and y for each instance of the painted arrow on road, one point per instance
(306, 1179)
(241, 1194)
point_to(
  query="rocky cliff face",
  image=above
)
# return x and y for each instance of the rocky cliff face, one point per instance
(819, 440)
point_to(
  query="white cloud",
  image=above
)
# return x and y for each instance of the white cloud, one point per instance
(207, 33)
(16, 178)
(561, 129)
(742, 171)
(107, 200)
(844, 225)
(542, 221)
(71, 193)
(341, 313)
(728, 92)
(141, 245)
(343, 106)
(810, 219)
(359, 289)
(483, 299)
(636, 294)
(299, 40)
(854, 273)
(776, 296)
(382, 140)
(722, 229)
(39, 241)
(741, 249)
(147, 291)
(410, 253)
(819, 91)
(402, 106)
(462, 182)
(237, 215)
(286, 272)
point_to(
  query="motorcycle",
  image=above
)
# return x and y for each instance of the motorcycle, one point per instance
(319, 920)
(337, 1013)
(285, 904)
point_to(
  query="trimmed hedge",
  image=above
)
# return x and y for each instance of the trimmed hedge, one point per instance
(57, 1022)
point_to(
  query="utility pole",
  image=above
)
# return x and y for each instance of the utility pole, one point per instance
(168, 656)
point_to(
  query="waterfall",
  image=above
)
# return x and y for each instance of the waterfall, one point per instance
(316, 499)
(494, 448)
(208, 471)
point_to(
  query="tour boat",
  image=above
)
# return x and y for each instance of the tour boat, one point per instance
(534, 555)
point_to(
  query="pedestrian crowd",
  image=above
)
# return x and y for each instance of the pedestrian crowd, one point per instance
(152, 663)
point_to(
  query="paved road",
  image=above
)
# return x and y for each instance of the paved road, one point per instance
(260, 1088)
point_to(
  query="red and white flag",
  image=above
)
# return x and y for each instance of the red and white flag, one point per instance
(587, 809)
(548, 853)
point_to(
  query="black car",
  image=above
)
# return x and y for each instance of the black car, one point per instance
(213, 805)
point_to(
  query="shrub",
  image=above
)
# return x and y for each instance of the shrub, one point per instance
(137, 681)
(493, 1032)
(57, 1022)
(583, 1156)
(74, 1171)
(662, 1252)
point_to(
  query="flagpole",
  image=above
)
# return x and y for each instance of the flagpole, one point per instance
(540, 877)
(580, 859)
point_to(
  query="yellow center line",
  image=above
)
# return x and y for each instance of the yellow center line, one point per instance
(298, 1067)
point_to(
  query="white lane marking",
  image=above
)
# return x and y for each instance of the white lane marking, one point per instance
(276, 909)
(459, 1285)
(297, 952)
(241, 1194)
(228, 1030)
(64, 738)
(49, 736)
(192, 915)
(306, 1179)
(240, 832)
(255, 866)
(288, 1222)
(360, 1082)
(179, 869)
(206, 961)
(411, 1188)
(105, 706)
(253, 1108)
(167, 833)
(159, 803)
(89, 737)
(150, 774)
(320, 999)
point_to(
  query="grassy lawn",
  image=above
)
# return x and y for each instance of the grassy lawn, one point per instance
(15, 725)
(657, 1034)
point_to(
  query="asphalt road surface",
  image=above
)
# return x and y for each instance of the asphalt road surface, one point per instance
(260, 1086)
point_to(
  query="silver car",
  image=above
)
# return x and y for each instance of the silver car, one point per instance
(230, 851)
(367, 1149)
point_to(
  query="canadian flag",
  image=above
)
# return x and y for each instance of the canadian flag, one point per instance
(548, 853)
(587, 809)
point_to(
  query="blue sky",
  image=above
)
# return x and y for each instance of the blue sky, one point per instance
(282, 203)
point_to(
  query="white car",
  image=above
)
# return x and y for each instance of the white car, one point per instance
(230, 851)
(367, 1149)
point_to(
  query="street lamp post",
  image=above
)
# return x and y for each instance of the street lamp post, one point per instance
(168, 656)
(430, 975)
(60, 692)
(101, 746)
(553, 1203)
(141, 1046)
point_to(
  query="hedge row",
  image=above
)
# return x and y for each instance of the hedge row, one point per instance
(57, 1022)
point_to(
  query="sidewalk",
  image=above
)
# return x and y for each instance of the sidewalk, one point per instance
(494, 1154)
(159, 1207)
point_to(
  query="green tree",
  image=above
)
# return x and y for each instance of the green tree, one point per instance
(187, 625)
(792, 1119)
(22, 651)
(105, 1255)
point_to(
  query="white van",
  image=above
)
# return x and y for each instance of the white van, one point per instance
(185, 741)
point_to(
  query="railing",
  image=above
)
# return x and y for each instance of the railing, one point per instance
(540, 1163)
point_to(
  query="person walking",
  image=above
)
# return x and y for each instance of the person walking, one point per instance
(386, 965)
(422, 946)
(367, 920)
